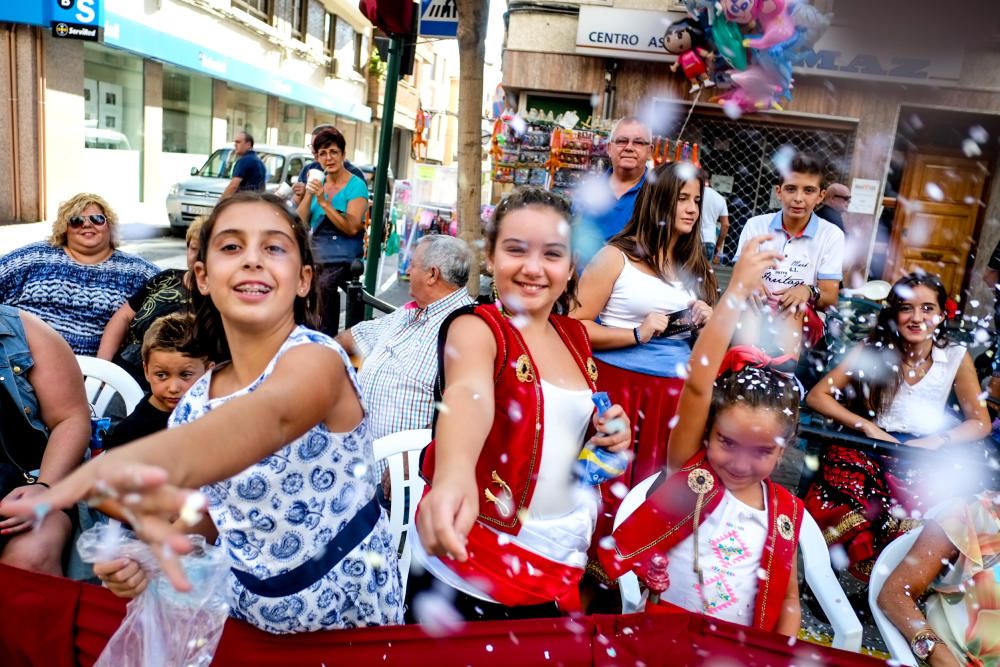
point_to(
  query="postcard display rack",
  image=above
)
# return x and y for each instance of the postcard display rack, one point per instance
(558, 159)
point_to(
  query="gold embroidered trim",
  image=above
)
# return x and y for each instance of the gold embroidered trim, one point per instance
(595, 570)
(525, 373)
(850, 521)
(708, 497)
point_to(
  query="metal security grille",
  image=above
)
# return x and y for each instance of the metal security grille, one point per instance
(744, 151)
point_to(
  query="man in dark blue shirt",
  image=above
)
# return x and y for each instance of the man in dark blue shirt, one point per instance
(249, 173)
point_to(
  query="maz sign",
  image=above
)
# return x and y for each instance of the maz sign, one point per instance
(869, 65)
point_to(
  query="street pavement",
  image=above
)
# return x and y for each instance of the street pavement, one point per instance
(154, 243)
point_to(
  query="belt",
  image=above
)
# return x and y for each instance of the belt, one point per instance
(315, 568)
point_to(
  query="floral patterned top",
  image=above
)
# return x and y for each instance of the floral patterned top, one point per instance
(964, 605)
(281, 512)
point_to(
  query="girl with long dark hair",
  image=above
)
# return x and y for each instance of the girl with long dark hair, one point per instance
(629, 295)
(895, 387)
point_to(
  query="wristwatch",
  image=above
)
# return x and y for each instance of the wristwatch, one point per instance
(813, 294)
(924, 643)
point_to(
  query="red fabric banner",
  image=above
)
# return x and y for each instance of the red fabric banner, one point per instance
(50, 622)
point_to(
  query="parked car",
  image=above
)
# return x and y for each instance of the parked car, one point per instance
(198, 195)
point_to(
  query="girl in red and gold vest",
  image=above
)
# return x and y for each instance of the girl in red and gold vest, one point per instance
(504, 518)
(728, 533)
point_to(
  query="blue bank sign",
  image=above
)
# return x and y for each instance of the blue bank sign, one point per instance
(80, 19)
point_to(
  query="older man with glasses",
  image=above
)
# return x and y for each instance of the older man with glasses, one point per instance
(608, 209)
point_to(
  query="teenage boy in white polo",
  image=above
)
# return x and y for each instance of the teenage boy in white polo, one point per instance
(807, 279)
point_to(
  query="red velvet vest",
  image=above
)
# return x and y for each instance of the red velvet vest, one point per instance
(666, 518)
(508, 464)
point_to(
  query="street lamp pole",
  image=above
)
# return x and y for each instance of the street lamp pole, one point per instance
(377, 230)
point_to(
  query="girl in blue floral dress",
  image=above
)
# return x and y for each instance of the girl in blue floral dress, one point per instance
(275, 436)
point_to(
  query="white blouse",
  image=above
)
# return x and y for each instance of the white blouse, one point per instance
(922, 408)
(731, 543)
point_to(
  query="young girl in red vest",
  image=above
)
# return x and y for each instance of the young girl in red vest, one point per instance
(503, 518)
(729, 534)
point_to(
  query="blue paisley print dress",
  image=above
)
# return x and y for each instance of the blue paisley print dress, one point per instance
(281, 512)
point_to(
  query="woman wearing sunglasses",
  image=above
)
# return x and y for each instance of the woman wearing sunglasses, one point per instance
(77, 279)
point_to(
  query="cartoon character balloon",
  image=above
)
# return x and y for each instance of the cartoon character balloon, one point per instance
(777, 25)
(740, 11)
(686, 40)
(729, 41)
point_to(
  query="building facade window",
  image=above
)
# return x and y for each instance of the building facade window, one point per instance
(349, 128)
(341, 45)
(297, 16)
(291, 124)
(246, 111)
(187, 112)
(112, 98)
(261, 9)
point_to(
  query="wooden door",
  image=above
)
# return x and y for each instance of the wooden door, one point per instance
(938, 208)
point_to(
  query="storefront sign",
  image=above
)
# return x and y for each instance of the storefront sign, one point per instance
(864, 196)
(635, 34)
(47, 13)
(124, 33)
(838, 53)
(63, 30)
(76, 19)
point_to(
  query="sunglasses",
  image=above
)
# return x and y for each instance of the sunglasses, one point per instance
(97, 220)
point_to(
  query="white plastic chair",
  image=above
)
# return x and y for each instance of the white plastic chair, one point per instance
(402, 453)
(103, 380)
(892, 555)
(816, 565)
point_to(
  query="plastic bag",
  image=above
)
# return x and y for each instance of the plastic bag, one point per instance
(163, 626)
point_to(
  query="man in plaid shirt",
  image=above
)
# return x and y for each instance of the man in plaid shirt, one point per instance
(400, 350)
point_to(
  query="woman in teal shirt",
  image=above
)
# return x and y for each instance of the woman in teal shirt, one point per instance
(335, 208)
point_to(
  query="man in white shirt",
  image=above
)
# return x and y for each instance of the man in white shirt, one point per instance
(714, 212)
(807, 279)
(400, 350)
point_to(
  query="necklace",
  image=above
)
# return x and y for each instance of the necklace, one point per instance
(918, 369)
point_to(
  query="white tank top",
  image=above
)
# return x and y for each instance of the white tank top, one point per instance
(636, 294)
(562, 513)
(922, 408)
(566, 416)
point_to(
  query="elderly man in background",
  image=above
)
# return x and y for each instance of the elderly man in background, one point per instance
(835, 204)
(400, 349)
(609, 207)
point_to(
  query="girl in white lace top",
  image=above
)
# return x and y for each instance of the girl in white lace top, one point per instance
(897, 384)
